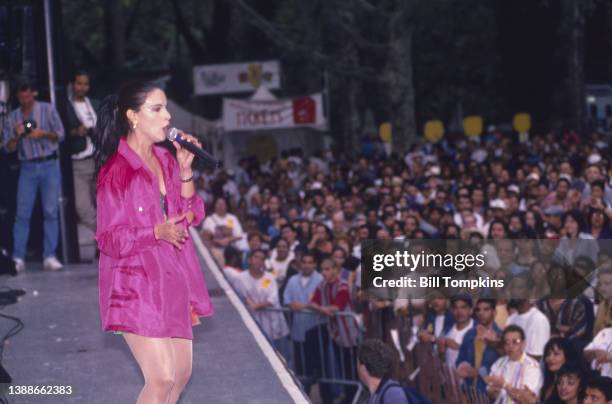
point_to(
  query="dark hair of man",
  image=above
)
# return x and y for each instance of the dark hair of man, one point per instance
(376, 357)
(601, 383)
(288, 225)
(24, 87)
(491, 302)
(78, 73)
(254, 234)
(232, 256)
(467, 299)
(513, 328)
(311, 254)
(257, 250)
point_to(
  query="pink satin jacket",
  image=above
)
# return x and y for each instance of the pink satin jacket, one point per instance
(147, 286)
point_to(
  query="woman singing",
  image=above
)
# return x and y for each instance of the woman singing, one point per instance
(151, 287)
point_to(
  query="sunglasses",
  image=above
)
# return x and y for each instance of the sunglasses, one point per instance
(515, 341)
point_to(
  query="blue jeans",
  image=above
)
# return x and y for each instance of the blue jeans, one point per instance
(44, 175)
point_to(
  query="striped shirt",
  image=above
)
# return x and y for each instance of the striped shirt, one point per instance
(576, 313)
(343, 326)
(46, 117)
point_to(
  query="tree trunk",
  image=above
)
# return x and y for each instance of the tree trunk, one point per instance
(345, 88)
(398, 74)
(113, 19)
(574, 12)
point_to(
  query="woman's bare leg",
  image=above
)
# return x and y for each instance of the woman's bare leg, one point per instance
(183, 355)
(155, 356)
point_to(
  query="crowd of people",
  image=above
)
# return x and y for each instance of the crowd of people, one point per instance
(288, 234)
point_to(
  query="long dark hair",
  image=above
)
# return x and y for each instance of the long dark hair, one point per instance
(572, 356)
(112, 121)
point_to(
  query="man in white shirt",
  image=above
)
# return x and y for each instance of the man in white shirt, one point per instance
(81, 121)
(516, 376)
(461, 307)
(259, 291)
(599, 352)
(532, 321)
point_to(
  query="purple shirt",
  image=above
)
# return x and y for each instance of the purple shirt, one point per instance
(147, 286)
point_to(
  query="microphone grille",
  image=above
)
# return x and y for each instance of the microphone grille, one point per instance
(171, 133)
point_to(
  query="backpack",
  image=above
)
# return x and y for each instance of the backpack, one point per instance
(413, 395)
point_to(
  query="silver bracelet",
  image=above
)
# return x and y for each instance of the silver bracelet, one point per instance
(187, 179)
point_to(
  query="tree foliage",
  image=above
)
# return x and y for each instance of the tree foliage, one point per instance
(404, 61)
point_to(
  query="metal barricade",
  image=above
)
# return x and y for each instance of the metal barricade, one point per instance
(317, 356)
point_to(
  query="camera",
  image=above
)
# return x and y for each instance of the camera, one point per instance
(28, 126)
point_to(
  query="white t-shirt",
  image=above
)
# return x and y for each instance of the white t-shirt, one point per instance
(439, 325)
(264, 289)
(86, 114)
(232, 274)
(457, 336)
(536, 327)
(525, 372)
(603, 342)
(225, 226)
(279, 268)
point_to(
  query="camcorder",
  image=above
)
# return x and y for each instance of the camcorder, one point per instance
(28, 125)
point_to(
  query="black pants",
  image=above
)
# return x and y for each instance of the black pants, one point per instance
(309, 355)
(346, 363)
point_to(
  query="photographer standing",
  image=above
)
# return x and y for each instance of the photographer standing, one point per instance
(35, 129)
(81, 120)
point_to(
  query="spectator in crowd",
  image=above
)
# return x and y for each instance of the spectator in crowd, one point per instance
(330, 299)
(560, 196)
(598, 390)
(479, 346)
(541, 287)
(438, 320)
(222, 229)
(35, 131)
(259, 290)
(305, 327)
(557, 352)
(532, 322)
(515, 376)
(289, 233)
(254, 242)
(594, 173)
(574, 242)
(374, 367)
(279, 260)
(598, 224)
(599, 352)
(461, 307)
(570, 385)
(232, 268)
(570, 318)
(81, 120)
(603, 318)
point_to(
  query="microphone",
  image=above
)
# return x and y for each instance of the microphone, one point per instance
(174, 135)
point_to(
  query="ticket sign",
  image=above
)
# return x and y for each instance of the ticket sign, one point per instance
(472, 125)
(522, 122)
(434, 131)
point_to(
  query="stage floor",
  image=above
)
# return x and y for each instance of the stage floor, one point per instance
(62, 345)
